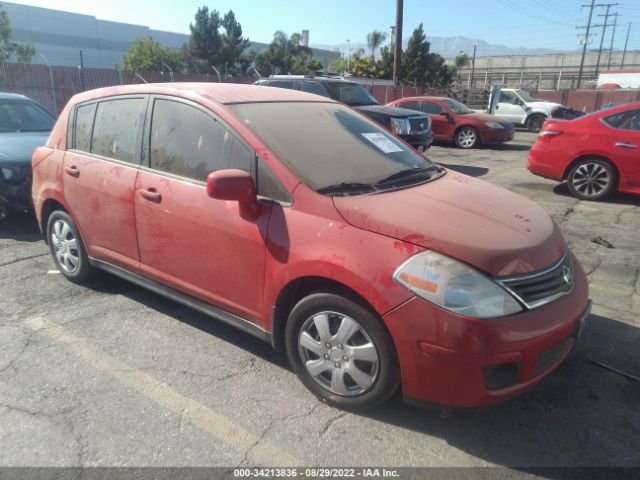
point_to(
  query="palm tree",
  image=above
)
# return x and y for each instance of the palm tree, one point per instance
(374, 40)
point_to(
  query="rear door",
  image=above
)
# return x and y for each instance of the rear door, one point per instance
(99, 176)
(189, 241)
(624, 142)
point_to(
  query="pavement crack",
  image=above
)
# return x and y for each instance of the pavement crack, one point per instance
(595, 267)
(566, 214)
(257, 442)
(11, 365)
(330, 422)
(22, 259)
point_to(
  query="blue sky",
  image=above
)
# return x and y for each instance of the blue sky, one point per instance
(515, 23)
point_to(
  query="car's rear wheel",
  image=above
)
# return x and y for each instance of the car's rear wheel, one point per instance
(592, 179)
(535, 122)
(467, 137)
(69, 253)
(341, 351)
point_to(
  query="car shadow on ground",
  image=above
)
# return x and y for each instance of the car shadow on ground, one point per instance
(466, 169)
(22, 227)
(581, 415)
(616, 198)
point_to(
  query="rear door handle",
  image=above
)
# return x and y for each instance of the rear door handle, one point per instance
(151, 194)
(72, 171)
(626, 145)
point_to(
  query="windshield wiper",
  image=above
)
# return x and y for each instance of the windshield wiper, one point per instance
(408, 173)
(347, 187)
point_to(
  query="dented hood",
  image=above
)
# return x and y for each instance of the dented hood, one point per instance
(486, 226)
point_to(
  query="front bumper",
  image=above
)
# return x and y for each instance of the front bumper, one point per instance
(496, 135)
(15, 188)
(420, 141)
(452, 360)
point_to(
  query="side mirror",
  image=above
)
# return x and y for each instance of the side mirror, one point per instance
(234, 185)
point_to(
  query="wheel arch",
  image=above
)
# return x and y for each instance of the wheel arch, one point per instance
(49, 206)
(296, 290)
(586, 156)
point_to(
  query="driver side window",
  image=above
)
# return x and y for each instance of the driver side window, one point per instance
(508, 97)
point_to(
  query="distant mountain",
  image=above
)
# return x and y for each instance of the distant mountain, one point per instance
(449, 47)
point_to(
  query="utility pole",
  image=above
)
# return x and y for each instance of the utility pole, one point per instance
(349, 56)
(604, 30)
(585, 41)
(626, 43)
(473, 67)
(613, 35)
(397, 55)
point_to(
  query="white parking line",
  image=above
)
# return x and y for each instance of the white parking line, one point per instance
(217, 425)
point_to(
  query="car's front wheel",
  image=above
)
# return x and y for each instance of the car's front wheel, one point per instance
(592, 179)
(341, 351)
(67, 248)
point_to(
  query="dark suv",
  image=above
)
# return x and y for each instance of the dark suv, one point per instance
(410, 125)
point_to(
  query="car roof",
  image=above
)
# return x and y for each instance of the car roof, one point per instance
(307, 79)
(223, 93)
(12, 96)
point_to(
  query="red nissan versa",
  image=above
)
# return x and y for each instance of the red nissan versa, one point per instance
(301, 221)
(452, 121)
(596, 154)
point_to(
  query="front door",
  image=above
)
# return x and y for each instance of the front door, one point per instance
(624, 142)
(99, 174)
(510, 108)
(200, 246)
(443, 122)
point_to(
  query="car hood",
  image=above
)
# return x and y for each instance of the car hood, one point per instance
(390, 111)
(16, 148)
(541, 105)
(491, 228)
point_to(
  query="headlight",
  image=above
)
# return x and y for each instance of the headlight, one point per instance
(7, 173)
(494, 125)
(455, 286)
(400, 126)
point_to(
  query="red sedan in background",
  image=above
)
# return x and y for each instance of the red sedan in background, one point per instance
(596, 154)
(452, 121)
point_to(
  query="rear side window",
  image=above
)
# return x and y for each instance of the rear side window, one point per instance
(188, 142)
(278, 84)
(116, 132)
(432, 108)
(629, 120)
(409, 105)
(84, 124)
(314, 87)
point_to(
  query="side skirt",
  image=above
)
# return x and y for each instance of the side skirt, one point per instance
(187, 300)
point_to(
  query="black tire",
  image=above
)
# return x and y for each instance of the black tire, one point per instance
(592, 179)
(535, 122)
(466, 138)
(70, 258)
(384, 374)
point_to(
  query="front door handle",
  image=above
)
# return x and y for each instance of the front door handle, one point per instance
(72, 171)
(626, 145)
(151, 194)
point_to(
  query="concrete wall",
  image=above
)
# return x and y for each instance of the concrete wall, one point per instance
(60, 36)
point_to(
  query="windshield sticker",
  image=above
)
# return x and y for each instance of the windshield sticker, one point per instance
(382, 142)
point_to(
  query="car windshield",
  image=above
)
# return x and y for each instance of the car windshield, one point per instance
(525, 96)
(457, 107)
(349, 93)
(24, 116)
(331, 147)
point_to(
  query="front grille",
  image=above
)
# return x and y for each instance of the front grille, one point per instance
(539, 288)
(550, 355)
(419, 124)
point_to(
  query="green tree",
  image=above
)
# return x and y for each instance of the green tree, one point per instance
(386, 62)
(314, 65)
(415, 58)
(233, 44)
(146, 54)
(462, 60)
(204, 45)
(284, 55)
(8, 49)
(374, 40)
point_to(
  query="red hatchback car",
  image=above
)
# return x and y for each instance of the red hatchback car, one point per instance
(303, 222)
(452, 121)
(596, 154)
